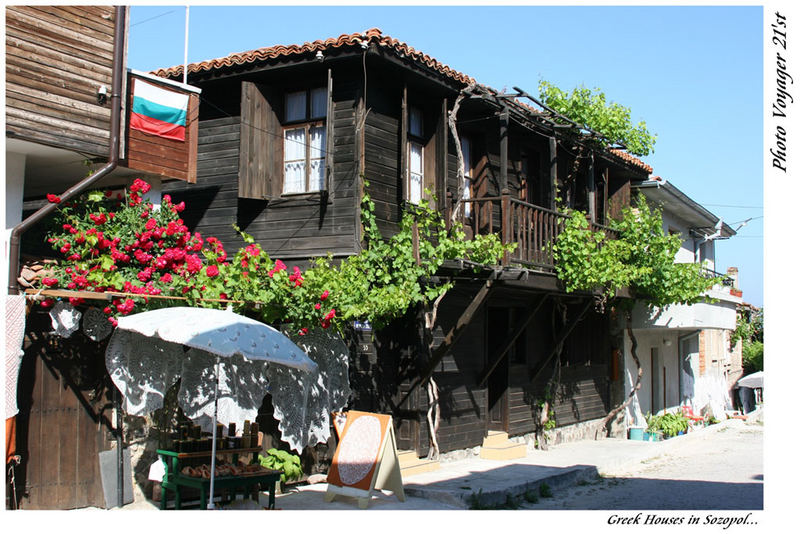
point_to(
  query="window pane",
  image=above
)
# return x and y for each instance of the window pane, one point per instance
(316, 181)
(296, 106)
(415, 188)
(294, 145)
(466, 152)
(294, 177)
(415, 158)
(415, 122)
(294, 161)
(415, 179)
(319, 102)
(466, 196)
(317, 142)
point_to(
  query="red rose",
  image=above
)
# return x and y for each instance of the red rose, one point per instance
(212, 270)
(49, 282)
(53, 198)
(324, 295)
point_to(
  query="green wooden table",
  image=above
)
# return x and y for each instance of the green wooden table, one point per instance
(174, 480)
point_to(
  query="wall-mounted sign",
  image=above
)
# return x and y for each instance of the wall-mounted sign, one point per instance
(361, 326)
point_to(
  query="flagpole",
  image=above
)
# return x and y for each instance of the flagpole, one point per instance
(186, 46)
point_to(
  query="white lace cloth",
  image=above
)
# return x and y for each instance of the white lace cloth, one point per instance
(65, 318)
(96, 325)
(143, 366)
(15, 335)
(304, 412)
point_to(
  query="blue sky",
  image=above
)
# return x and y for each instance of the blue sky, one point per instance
(694, 74)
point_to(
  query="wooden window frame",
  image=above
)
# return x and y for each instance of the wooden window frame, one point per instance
(306, 123)
(418, 140)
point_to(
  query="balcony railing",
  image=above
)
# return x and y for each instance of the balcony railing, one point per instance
(727, 281)
(533, 228)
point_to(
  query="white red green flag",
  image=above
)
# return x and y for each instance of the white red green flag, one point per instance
(158, 111)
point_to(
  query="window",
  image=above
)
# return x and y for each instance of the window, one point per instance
(466, 152)
(416, 156)
(304, 141)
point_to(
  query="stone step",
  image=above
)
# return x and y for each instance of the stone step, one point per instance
(496, 446)
(495, 438)
(411, 465)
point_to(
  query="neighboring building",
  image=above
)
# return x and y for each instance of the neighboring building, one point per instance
(686, 350)
(62, 63)
(287, 137)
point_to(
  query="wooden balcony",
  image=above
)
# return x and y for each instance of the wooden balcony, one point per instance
(533, 228)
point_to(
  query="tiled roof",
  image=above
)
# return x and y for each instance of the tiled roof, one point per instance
(373, 35)
(631, 159)
(370, 36)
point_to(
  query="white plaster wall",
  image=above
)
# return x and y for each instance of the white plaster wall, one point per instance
(720, 314)
(15, 184)
(668, 347)
(686, 253)
(154, 195)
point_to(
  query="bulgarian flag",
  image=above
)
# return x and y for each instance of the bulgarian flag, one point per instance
(159, 112)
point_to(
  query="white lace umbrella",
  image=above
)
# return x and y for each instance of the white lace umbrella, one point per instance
(143, 369)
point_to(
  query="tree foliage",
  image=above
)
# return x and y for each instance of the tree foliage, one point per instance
(590, 108)
(642, 258)
(750, 329)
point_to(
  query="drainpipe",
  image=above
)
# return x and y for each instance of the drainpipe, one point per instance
(113, 156)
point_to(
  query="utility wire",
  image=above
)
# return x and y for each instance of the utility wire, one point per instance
(152, 18)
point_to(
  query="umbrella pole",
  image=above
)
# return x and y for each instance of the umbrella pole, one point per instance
(214, 439)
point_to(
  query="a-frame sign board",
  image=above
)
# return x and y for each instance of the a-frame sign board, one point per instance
(365, 459)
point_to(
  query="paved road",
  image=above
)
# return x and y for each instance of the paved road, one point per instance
(720, 470)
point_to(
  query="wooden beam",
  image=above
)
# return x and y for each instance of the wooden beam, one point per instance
(592, 190)
(495, 360)
(504, 149)
(564, 334)
(553, 172)
(451, 337)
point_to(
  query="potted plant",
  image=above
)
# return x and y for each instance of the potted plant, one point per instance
(283, 461)
(653, 431)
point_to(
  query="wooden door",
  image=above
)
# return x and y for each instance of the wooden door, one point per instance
(61, 426)
(497, 390)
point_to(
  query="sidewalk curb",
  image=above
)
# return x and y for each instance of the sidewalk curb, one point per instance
(497, 497)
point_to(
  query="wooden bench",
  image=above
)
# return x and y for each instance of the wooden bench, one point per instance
(174, 480)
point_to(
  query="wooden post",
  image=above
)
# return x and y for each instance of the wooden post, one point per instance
(553, 172)
(592, 190)
(415, 241)
(505, 216)
(448, 210)
(504, 149)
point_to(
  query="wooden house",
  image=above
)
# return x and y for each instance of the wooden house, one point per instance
(287, 135)
(68, 106)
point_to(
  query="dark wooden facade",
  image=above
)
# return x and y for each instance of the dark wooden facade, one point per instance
(56, 60)
(59, 63)
(513, 167)
(159, 156)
